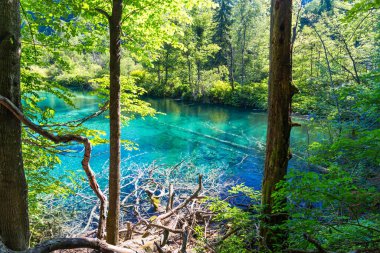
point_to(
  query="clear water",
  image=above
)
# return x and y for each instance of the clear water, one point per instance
(208, 135)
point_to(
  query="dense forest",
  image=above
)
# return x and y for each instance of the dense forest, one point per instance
(190, 126)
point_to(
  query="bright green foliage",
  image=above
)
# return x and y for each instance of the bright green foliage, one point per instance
(182, 66)
(43, 184)
(242, 222)
(220, 91)
(188, 49)
(339, 208)
(350, 54)
(131, 104)
(332, 208)
(358, 155)
(222, 36)
(251, 96)
(245, 14)
(220, 43)
(362, 6)
(50, 26)
(198, 47)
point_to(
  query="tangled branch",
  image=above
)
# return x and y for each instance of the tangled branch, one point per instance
(65, 139)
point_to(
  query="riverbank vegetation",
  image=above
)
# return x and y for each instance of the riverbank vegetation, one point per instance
(321, 60)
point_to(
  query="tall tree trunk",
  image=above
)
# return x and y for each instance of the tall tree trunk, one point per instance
(198, 91)
(114, 173)
(167, 66)
(159, 72)
(279, 122)
(242, 73)
(14, 222)
(189, 69)
(231, 66)
(332, 86)
(311, 60)
(356, 76)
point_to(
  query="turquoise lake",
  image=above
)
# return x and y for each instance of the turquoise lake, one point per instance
(208, 135)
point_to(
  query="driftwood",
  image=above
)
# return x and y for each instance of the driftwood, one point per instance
(183, 204)
(178, 221)
(65, 139)
(168, 229)
(69, 243)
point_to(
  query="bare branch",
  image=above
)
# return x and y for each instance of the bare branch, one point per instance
(65, 139)
(104, 13)
(294, 32)
(79, 122)
(159, 249)
(187, 201)
(30, 30)
(315, 243)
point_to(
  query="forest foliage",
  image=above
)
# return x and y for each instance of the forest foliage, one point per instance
(217, 52)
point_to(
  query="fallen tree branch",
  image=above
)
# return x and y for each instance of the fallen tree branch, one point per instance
(79, 122)
(104, 13)
(65, 139)
(227, 235)
(169, 205)
(185, 238)
(183, 204)
(315, 243)
(69, 243)
(165, 228)
(159, 249)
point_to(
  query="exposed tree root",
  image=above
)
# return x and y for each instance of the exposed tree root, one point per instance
(69, 243)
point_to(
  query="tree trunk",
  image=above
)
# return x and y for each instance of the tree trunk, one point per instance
(114, 173)
(14, 222)
(189, 69)
(158, 64)
(231, 67)
(311, 60)
(198, 89)
(279, 121)
(332, 86)
(167, 66)
(242, 73)
(356, 76)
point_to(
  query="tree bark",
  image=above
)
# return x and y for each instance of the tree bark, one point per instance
(167, 54)
(242, 73)
(14, 222)
(114, 172)
(198, 88)
(281, 91)
(231, 67)
(189, 69)
(159, 72)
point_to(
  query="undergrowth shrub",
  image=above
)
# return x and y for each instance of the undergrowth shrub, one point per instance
(331, 208)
